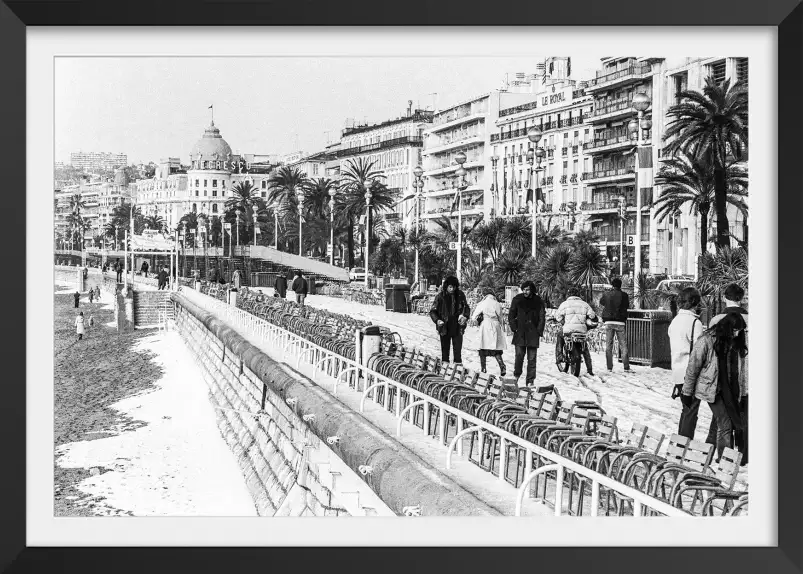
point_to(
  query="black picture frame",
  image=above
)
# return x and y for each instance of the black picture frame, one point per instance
(787, 15)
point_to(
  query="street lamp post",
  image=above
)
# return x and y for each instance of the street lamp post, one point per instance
(534, 135)
(255, 228)
(418, 172)
(641, 102)
(332, 194)
(367, 231)
(622, 221)
(300, 221)
(239, 213)
(460, 158)
(275, 229)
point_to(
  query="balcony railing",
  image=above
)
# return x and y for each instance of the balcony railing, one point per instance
(596, 174)
(606, 141)
(614, 106)
(632, 70)
(517, 109)
(564, 178)
(415, 141)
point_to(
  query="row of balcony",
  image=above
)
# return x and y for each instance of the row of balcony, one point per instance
(415, 141)
(633, 71)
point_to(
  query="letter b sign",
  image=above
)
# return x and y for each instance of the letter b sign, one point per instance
(631, 240)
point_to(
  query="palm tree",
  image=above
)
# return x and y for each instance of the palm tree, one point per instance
(720, 269)
(358, 177)
(550, 273)
(518, 233)
(284, 185)
(154, 222)
(75, 219)
(585, 237)
(487, 236)
(552, 237)
(245, 198)
(511, 266)
(585, 265)
(190, 221)
(689, 181)
(712, 127)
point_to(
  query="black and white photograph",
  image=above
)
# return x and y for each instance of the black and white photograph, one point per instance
(401, 287)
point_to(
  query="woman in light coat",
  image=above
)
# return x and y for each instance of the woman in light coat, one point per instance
(684, 330)
(80, 327)
(492, 338)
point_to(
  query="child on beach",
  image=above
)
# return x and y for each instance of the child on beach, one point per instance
(80, 328)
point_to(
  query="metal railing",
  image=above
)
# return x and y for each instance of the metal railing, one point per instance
(631, 70)
(369, 381)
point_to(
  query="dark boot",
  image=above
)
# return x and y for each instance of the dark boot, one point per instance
(482, 362)
(502, 368)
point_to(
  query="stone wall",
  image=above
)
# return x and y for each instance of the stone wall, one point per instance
(147, 305)
(300, 418)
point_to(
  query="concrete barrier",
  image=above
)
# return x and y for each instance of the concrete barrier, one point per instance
(399, 477)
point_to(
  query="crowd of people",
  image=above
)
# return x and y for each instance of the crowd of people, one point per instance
(709, 363)
(527, 320)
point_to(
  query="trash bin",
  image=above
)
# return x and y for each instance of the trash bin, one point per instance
(400, 296)
(371, 342)
(647, 332)
(388, 297)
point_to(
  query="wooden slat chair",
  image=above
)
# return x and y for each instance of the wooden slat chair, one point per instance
(642, 470)
(739, 507)
(614, 459)
(482, 381)
(718, 481)
(587, 449)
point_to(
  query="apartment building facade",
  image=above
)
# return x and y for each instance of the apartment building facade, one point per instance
(105, 161)
(463, 127)
(560, 110)
(394, 146)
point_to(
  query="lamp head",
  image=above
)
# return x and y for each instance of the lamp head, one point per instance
(460, 158)
(534, 134)
(641, 102)
(418, 171)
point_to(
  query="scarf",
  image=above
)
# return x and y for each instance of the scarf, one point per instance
(728, 384)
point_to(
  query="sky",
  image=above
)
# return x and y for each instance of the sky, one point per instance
(150, 108)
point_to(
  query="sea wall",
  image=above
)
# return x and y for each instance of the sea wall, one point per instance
(275, 449)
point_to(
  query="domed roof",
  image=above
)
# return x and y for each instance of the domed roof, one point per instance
(120, 177)
(211, 147)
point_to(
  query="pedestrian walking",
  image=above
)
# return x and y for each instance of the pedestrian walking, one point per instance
(91, 295)
(684, 330)
(280, 285)
(576, 316)
(118, 267)
(527, 318)
(489, 316)
(717, 374)
(732, 296)
(144, 268)
(77, 297)
(97, 293)
(614, 304)
(162, 278)
(300, 288)
(80, 327)
(450, 313)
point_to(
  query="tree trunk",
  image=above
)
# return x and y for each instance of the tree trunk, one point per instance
(350, 244)
(704, 209)
(720, 202)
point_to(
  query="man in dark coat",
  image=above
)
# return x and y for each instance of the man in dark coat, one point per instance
(118, 267)
(300, 288)
(614, 304)
(450, 313)
(527, 318)
(163, 278)
(280, 285)
(145, 268)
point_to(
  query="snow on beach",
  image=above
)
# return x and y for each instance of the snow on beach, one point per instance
(176, 464)
(642, 396)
